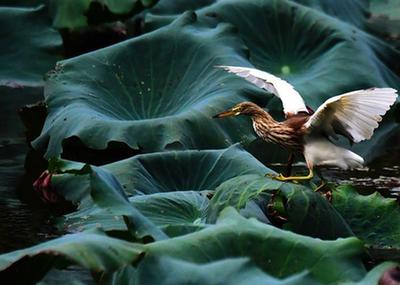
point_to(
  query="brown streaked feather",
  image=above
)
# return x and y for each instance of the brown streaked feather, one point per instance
(288, 133)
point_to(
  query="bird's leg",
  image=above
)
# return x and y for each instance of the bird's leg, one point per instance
(320, 186)
(323, 182)
(289, 164)
(280, 177)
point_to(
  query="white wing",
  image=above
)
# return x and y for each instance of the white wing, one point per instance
(355, 114)
(291, 100)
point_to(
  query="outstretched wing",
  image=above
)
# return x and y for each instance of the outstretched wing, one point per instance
(354, 115)
(291, 100)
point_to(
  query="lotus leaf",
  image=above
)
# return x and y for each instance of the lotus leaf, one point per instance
(94, 251)
(320, 55)
(308, 213)
(166, 11)
(153, 102)
(150, 174)
(277, 252)
(28, 31)
(108, 193)
(234, 271)
(352, 11)
(373, 219)
(176, 213)
(168, 171)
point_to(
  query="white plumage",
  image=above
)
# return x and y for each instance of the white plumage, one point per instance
(320, 151)
(354, 115)
(291, 100)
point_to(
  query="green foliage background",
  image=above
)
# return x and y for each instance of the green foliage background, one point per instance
(131, 86)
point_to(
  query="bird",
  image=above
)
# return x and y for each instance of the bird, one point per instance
(353, 115)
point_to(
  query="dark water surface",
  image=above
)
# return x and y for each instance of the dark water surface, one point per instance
(21, 223)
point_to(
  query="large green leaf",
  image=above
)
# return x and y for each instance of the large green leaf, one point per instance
(240, 190)
(373, 219)
(102, 97)
(352, 11)
(307, 212)
(167, 171)
(176, 213)
(107, 193)
(26, 34)
(234, 271)
(166, 11)
(278, 252)
(320, 55)
(94, 251)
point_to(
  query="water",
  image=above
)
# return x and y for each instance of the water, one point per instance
(21, 223)
(23, 220)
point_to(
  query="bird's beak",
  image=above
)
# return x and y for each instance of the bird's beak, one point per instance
(228, 113)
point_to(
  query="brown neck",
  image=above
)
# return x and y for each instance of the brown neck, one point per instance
(263, 116)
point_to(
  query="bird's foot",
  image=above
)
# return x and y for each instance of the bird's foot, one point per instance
(280, 177)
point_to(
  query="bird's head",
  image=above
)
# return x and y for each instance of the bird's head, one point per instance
(244, 108)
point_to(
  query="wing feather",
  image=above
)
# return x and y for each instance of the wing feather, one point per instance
(291, 100)
(355, 114)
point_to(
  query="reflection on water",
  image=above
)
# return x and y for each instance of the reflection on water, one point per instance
(21, 223)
